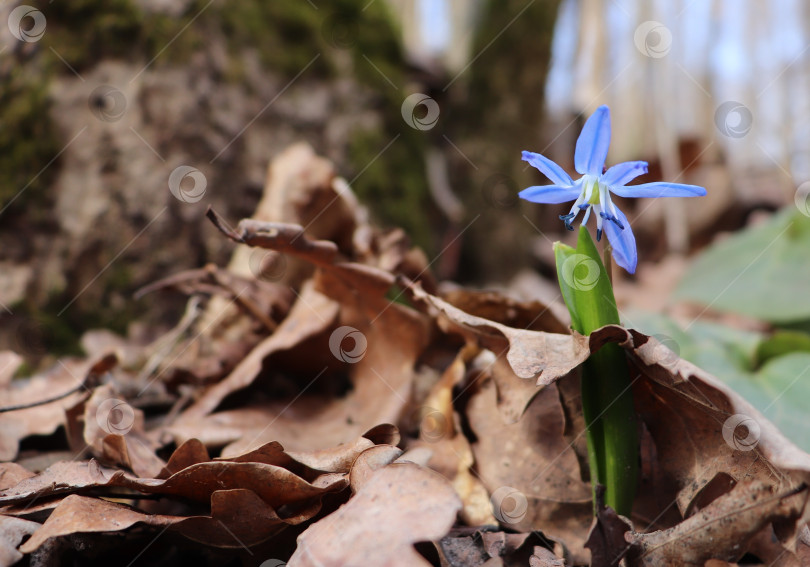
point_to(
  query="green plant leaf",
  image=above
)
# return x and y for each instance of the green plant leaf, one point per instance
(607, 400)
(585, 285)
(761, 272)
(781, 343)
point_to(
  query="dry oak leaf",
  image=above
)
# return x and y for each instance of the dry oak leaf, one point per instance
(311, 314)
(530, 469)
(275, 485)
(449, 450)
(719, 531)
(81, 514)
(686, 409)
(382, 377)
(114, 431)
(495, 306)
(531, 354)
(401, 504)
(697, 456)
(67, 375)
(607, 538)
(238, 518)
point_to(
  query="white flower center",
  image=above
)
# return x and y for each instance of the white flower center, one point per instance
(594, 195)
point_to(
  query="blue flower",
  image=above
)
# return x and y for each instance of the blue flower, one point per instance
(593, 189)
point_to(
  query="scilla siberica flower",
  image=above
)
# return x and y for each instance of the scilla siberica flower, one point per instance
(593, 189)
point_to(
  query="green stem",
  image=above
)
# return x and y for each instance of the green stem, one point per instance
(607, 399)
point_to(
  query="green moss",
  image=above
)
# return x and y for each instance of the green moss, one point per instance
(393, 185)
(289, 34)
(28, 141)
(83, 31)
(285, 35)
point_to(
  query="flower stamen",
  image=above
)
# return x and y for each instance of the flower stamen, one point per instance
(567, 219)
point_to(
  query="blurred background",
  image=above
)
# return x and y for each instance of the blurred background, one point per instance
(423, 105)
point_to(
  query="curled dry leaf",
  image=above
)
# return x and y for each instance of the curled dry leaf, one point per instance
(543, 557)
(529, 315)
(399, 505)
(275, 485)
(531, 354)
(371, 461)
(68, 376)
(691, 418)
(719, 531)
(246, 493)
(440, 434)
(114, 431)
(238, 518)
(382, 375)
(189, 453)
(80, 514)
(607, 538)
(311, 314)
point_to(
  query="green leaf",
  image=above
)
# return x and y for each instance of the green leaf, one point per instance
(780, 343)
(780, 390)
(607, 400)
(585, 285)
(761, 272)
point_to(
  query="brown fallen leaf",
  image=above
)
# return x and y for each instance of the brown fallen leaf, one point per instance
(80, 514)
(537, 355)
(10, 362)
(312, 313)
(66, 377)
(400, 504)
(276, 485)
(12, 532)
(369, 462)
(719, 531)
(685, 410)
(239, 518)
(310, 464)
(607, 538)
(529, 315)
(440, 433)
(543, 557)
(532, 473)
(12, 474)
(382, 377)
(189, 453)
(114, 432)
(765, 545)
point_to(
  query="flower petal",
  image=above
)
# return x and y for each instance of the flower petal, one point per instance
(659, 189)
(623, 242)
(554, 172)
(550, 194)
(593, 142)
(622, 173)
